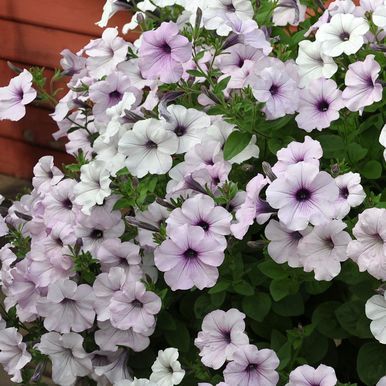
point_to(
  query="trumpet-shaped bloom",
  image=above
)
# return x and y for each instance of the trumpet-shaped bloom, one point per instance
(15, 96)
(222, 334)
(303, 194)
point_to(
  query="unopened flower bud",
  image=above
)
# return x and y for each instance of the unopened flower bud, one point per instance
(335, 169)
(267, 169)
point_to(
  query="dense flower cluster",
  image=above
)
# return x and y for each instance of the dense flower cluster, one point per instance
(228, 160)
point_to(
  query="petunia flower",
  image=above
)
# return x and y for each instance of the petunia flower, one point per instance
(362, 88)
(15, 96)
(283, 246)
(162, 53)
(134, 307)
(14, 355)
(312, 63)
(166, 370)
(69, 360)
(308, 376)
(376, 311)
(319, 105)
(148, 147)
(344, 33)
(222, 333)
(368, 250)
(323, 249)
(189, 258)
(303, 194)
(68, 307)
(251, 367)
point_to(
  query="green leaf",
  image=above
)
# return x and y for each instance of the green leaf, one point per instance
(332, 145)
(257, 306)
(314, 348)
(179, 338)
(372, 170)
(273, 270)
(326, 322)
(165, 321)
(371, 363)
(220, 286)
(352, 318)
(291, 305)
(235, 143)
(279, 289)
(220, 86)
(317, 287)
(356, 152)
(243, 288)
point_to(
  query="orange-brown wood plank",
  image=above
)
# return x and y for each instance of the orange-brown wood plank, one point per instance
(36, 45)
(36, 128)
(17, 158)
(69, 15)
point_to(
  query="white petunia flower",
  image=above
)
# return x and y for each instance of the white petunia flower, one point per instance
(379, 17)
(94, 185)
(166, 370)
(189, 125)
(343, 34)
(69, 360)
(13, 353)
(312, 63)
(148, 147)
(382, 140)
(288, 12)
(376, 311)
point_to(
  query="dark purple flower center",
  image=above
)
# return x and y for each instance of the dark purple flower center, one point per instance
(296, 236)
(136, 303)
(370, 82)
(274, 89)
(50, 174)
(115, 97)
(96, 234)
(204, 225)
(252, 367)
(190, 254)
(227, 336)
(343, 192)
(180, 130)
(344, 36)
(303, 194)
(231, 8)
(151, 145)
(59, 242)
(323, 106)
(166, 48)
(241, 62)
(67, 204)
(68, 302)
(20, 94)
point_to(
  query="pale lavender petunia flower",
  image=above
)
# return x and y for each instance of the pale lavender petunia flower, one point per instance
(113, 367)
(251, 367)
(189, 258)
(235, 57)
(15, 96)
(289, 12)
(46, 174)
(201, 211)
(114, 253)
(69, 360)
(323, 249)
(303, 194)
(275, 86)
(162, 53)
(222, 334)
(351, 193)
(309, 151)
(68, 307)
(368, 250)
(109, 338)
(362, 88)
(107, 283)
(105, 53)
(59, 203)
(308, 376)
(283, 246)
(134, 307)
(253, 209)
(13, 353)
(319, 105)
